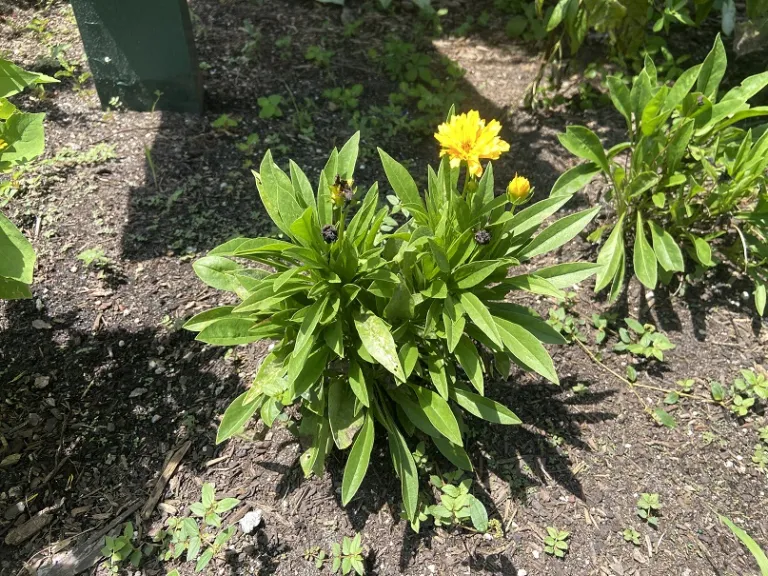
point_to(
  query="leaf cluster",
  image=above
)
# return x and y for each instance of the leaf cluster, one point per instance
(690, 174)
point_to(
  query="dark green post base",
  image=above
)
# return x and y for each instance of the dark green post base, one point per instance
(136, 48)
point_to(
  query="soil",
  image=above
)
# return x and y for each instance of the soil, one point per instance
(100, 386)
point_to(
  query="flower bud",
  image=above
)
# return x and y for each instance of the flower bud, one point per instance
(519, 190)
(330, 235)
(482, 237)
(342, 191)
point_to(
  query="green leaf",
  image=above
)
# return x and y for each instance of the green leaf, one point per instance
(480, 316)
(272, 183)
(574, 179)
(358, 384)
(14, 79)
(403, 185)
(235, 417)
(472, 274)
(527, 348)
(437, 375)
(218, 272)
(302, 188)
(470, 361)
(680, 89)
(620, 97)
(25, 137)
(667, 251)
(456, 455)
(557, 15)
(484, 408)
(478, 515)
(18, 255)
(341, 413)
(534, 284)
(401, 305)
(611, 256)
(712, 70)
(229, 332)
(13, 289)
(702, 250)
(644, 259)
(760, 297)
(653, 114)
(439, 413)
(529, 219)
(752, 546)
(357, 463)
(663, 417)
(748, 88)
(348, 156)
(406, 470)
(558, 233)
(582, 142)
(308, 325)
(566, 275)
(642, 182)
(378, 342)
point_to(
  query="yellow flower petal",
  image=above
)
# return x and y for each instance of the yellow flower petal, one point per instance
(466, 137)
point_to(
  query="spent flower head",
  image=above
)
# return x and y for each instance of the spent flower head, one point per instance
(482, 237)
(467, 138)
(342, 191)
(330, 234)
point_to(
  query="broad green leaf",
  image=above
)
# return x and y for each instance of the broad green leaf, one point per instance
(558, 233)
(748, 88)
(620, 97)
(406, 470)
(235, 417)
(664, 418)
(13, 289)
(528, 319)
(18, 256)
(478, 514)
(25, 137)
(245, 247)
(681, 88)
(574, 179)
(456, 455)
(470, 361)
(642, 182)
(439, 413)
(472, 274)
(667, 251)
(712, 70)
(678, 145)
(557, 15)
(582, 142)
(534, 284)
(611, 255)
(358, 384)
(436, 371)
(644, 259)
(270, 379)
(229, 332)
(529, 219)
(484, 408)
(343, 420)
(752, 546)
(403, 185)
(302, 188)
(14, 79)
(702, 250)
(272, 183)
(218, 272)
(401, 305)
(479, 314)
(653, 114)
(566, 275)
(378, 342)
(348, 156)
(308, 325)
(760, 297)
(527, 348)
(358, 460)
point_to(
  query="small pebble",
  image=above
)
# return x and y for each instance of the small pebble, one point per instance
(250, 521)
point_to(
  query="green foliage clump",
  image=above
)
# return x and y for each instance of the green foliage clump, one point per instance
(689, 174)
(22, 139)
(386, 332)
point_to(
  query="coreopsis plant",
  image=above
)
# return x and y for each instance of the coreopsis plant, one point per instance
(691, 174)
(21, 140)
(390, 332)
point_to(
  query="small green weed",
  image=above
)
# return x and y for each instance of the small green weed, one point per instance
(269, 106)
(631, 535)
(642, 340)
(319, 56)
(225, 122)
(345, 557)
(94, 257)
(344, 98)
(649, 508)
(556, 542)
(457, 505)
(120, 549)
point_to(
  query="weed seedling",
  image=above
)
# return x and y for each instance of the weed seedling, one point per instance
(760, 456)
(631, 535)
(121, 549)
(94, 257)
(649, 508)
(269, 106)
(224, 122)
(345, 557)
(457, 505)
(319, 56)
(556, 542)
(642, 340)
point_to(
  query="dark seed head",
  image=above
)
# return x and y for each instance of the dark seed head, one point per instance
(482, 237)
(330, 235)
(700, 100)
(724, 177)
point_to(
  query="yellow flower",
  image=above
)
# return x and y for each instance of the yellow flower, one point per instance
(518, 189)
(467, 137)
(3, 144)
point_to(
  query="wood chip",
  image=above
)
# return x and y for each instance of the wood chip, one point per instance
(22, 533)
(168, 471)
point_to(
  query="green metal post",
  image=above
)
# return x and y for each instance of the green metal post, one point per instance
(139, 48)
